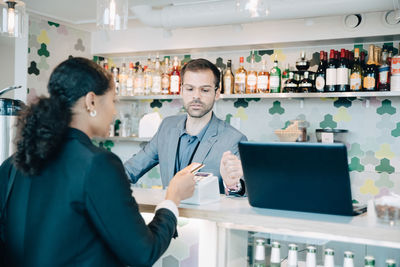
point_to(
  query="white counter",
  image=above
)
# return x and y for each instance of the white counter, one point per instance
(236, 213)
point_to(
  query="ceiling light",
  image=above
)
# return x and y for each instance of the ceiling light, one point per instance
(12, 18)
(112, 14)
(255, 8)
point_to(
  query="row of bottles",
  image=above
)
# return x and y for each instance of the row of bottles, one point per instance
(154, 78)
(311, 257)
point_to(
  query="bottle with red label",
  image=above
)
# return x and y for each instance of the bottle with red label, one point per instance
(175, 78)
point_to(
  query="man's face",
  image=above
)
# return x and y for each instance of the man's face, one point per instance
(198, 92)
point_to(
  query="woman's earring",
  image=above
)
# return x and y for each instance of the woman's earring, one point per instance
(93, 113)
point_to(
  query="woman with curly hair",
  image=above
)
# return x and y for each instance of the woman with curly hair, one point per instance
(71, 203)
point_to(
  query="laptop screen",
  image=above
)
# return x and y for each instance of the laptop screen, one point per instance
(309, 177)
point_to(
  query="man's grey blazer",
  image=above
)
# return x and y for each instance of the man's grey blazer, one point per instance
(162, 149)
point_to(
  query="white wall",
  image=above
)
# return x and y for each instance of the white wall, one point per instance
(7, 63)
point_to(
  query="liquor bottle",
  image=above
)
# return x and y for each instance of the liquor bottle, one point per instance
(275, 78)
(156, 86)
(342, 73)
(384, 73)
(263, 79)
(390, 263)
(130, 79)
(285, 74)
(275, 255)
(240, 78)
(377, 60)
(221, 79)
(251, 82)
(116, 82)
(369, 261)
(122, 80)
(369, 80)
(292, 255)
(138, 85)
(330, 84)
(320, 74)
(311, 258)
(329, 260)
(291, 84)
(356, 73)
(302, 64)
(175, 78)
(259, 257)
(165, 78)
(228, 80)
(348, 256)
(305, 85)
(105, 64)
(148, 76)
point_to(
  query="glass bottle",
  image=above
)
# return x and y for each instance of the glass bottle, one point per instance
(390, 263)
(259, 257)
(302, 64)
(251, 81)
(362, 62)
(329, 260)
(275, 255)
(384, 73)
(330, 84)
(305, 85)
(356, 72)
(165, 78)
(311, 258)
(292, 255)
(342, 73)
(369, 80)
(122, 80)
(116, 82)
(348, 256)
(228, 79)
(148, 76)
(320, 74)
(369, 261)
(175, 78)
(156, 86)
(138, 85)
(291, 84)
(275, 78)
(263, 79)
(130, 79)
(240, 78)
(285, 74)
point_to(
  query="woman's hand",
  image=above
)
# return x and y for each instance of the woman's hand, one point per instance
(182, 185)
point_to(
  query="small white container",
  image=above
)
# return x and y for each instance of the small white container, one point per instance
(395, 83)
(205, 191)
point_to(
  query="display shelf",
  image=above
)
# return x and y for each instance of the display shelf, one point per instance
(123, 139)
(275, 95)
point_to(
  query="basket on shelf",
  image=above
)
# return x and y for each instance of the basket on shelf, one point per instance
(290, 134)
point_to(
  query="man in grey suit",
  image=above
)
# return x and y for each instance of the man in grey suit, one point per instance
(198, 136)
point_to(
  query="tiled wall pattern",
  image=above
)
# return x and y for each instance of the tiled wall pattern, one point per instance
(373, 123)
(51, 43)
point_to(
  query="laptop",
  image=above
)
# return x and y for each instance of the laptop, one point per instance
(307, 177)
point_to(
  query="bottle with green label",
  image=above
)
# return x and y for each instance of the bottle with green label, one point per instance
(369, 261)
(348, 259)
(390, 263)
(275, 255)
(259, 256)
(311, 258)
(275, 78)
(292, 255)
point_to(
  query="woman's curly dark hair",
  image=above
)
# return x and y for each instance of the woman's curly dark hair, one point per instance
(42, 126)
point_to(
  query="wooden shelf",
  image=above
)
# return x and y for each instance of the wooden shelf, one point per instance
(123, 139)
(275, 95)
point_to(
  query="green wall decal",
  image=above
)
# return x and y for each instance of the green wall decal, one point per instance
(384, 181)
(53, 24)
(342, 102)
(276, 108)
(186, 59)
(355, 165)
(355, 150)
(252, 99)
(328, 122)
(370, 158)
(33, 69)
(257, 57)
(228, 118)
(165, 100)
(156, 104)
(220, 63)
(315, 59)
(386, 108)
(385, 166)
(43, 51)
(396, 131)
(240, 103)
(266, 52)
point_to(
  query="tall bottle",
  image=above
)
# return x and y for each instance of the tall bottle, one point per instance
(369, 261)
(356, 72)
(320, 74)
(362, 62)
(390, 263)
(285, 74)
(228, 79)
(165, 81)
(330, 84)
(275, 78)
(369, 80)
(148, 76)
(138, 85)
(156, 86)
(130, 80)
(175, 78)
(116, 82)
(275, 255)
(259, 257)
(311, 258)
(240, 78)
(251, 82)
(384, 73)
(348, 256)
(122, 79)
(292, 255)
(263, 79)
(329, 260)
(342, 73)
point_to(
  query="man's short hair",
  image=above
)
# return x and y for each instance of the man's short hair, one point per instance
(201, 64)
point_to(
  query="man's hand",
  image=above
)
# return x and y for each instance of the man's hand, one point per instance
(230, 169)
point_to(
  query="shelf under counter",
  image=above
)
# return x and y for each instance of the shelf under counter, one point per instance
(275, 95)
(236, 213)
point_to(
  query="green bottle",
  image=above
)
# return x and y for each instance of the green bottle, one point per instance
(275, 78)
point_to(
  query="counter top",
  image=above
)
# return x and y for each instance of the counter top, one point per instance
(236, 213)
